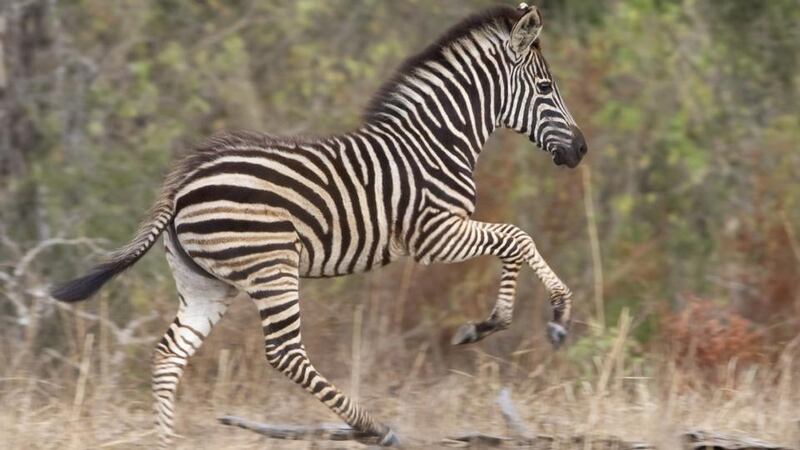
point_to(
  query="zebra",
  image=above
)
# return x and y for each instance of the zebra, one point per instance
(252, 213)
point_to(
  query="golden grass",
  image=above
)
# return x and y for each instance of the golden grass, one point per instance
(640, 399)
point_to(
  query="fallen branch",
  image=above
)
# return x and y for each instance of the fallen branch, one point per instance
(478, 440)
(522, 436)
(701, 440)
(329, 432)
(324, 432)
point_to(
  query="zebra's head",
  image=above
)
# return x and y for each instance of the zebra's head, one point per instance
(534, 106)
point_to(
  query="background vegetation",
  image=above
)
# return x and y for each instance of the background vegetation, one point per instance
(684, 219)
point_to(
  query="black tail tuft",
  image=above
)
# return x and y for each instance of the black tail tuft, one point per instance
(85, 286)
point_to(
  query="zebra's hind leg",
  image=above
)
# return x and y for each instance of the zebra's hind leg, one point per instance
(203, 301)
(274, 289)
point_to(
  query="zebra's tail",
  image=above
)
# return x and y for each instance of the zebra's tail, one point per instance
(158, 219)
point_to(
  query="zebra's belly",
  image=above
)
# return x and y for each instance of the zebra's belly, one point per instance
(344, 257)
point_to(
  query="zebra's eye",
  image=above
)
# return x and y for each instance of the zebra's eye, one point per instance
(544, 86)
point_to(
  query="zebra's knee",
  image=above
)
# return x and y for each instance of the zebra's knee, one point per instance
(158, 356)
(283, 357)
(526, 244)
(166, 367)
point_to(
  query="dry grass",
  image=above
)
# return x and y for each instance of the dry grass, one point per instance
(424, 396)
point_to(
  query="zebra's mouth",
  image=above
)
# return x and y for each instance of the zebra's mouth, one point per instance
(567, 157)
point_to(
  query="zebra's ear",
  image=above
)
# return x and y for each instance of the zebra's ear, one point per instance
(526, 30)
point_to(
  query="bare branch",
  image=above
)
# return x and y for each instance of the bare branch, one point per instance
(124, 336)
(31, 254)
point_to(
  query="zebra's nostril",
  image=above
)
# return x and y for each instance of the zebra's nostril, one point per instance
(578, 142)
(558, 157)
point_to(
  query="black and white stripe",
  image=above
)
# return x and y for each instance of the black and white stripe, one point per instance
(254, 213)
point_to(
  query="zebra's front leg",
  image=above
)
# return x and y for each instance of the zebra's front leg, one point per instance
(456, 239)
(560, 294)
(501, 315)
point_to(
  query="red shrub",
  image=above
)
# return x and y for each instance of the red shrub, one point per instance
(707, 335)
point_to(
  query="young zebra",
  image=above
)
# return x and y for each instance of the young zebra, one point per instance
(252, 213)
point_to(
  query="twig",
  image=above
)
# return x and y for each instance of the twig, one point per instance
(402, 294)
(80, 390)
(793, 243)
(594, 243)
(247, 19)
(355, 370)
(510, 415)
(223, 373)
(608, 366)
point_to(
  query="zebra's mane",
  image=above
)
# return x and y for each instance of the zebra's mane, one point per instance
(503, 16)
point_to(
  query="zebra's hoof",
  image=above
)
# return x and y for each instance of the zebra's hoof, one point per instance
(556, 334)
(389, 439)
(466, 334)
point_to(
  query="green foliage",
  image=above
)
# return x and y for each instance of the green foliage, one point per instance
(588, 352)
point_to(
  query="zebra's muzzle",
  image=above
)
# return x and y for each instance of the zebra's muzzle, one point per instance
(571, 155)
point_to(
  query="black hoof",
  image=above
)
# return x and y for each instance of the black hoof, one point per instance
(389, 439)
(466, 334)
(556, 334)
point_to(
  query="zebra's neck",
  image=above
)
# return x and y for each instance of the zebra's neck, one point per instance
(448, 101)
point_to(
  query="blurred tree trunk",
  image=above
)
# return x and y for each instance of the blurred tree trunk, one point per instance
(23, 36)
